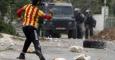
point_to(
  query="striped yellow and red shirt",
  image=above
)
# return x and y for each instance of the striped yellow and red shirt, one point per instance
(31, 15)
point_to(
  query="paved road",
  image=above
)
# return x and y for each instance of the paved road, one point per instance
(60, 48)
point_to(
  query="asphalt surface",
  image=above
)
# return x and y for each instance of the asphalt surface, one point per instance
(60, 48)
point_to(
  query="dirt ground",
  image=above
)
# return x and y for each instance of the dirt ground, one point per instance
(106, 34)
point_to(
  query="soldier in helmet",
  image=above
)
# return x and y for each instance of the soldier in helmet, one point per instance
(79, 17)
(90, 23)
(30, 25)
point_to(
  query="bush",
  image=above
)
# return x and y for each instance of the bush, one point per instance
(7, 28)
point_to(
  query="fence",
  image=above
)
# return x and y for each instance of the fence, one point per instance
(109, 22)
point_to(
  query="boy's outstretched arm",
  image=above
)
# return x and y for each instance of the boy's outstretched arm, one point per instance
(45, 16)
(19, 12)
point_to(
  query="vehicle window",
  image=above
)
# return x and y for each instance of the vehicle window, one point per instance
(61, 10)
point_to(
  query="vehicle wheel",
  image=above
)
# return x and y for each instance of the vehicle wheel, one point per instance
(45, 33)
(74, 34)
(55, 34)
(94, 44)
(70, 34)
(58, 35)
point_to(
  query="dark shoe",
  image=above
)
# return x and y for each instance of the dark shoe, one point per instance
(38, 53)
(22, 56)
(42, 58)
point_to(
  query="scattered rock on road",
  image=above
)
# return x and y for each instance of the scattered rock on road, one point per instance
(6, 42)
(77, 49)
(59, 59)
(82, 57)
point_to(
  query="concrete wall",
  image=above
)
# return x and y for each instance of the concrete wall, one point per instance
(101, 17)
(100, 22)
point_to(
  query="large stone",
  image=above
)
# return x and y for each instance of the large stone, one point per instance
(31, 50)
(77, 49)
(59, 59)
(82, 57)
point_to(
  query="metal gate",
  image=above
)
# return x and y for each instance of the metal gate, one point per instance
(109, 22)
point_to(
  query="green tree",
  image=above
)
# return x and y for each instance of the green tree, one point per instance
(4, 9)
(94, 5)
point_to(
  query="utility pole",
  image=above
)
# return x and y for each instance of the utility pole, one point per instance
(105, 12)
(105, 2)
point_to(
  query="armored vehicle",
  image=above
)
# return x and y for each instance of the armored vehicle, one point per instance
(63, 21)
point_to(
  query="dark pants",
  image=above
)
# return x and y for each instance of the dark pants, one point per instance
(79, 31)
(31, 36)
(88, 32)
